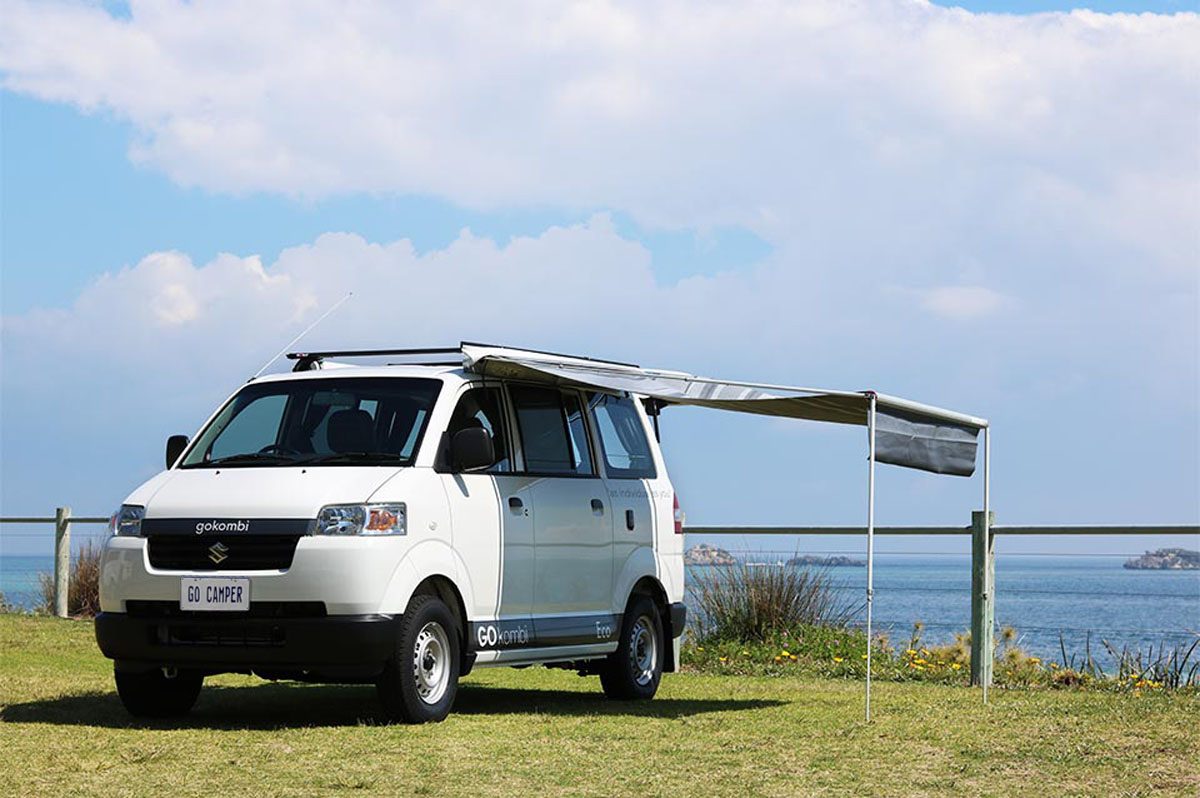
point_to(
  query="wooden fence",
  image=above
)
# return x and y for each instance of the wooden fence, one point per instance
(983, 559)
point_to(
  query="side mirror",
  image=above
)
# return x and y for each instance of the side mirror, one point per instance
(175, 446)
(472, 449)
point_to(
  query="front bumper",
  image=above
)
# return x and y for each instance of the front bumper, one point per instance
(229, 641)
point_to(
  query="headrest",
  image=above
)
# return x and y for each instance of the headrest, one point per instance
(351, 431)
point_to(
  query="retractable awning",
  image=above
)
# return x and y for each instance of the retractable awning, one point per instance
(899, 432)
(907, 433)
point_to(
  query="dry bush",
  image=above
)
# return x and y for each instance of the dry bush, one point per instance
(83, 584)
(753, 603)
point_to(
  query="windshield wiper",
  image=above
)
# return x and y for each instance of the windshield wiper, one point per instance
(380, 458)
(249, 457)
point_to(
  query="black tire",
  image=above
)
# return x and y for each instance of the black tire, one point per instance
(633, 671)
(422, 692)
(150, 694)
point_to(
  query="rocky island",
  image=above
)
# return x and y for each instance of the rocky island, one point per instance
(1166, 560)
(704, 554)
(826, 562)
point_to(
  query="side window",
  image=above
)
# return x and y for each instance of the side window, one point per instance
(622, 437)
(480, 407)
(553, 436)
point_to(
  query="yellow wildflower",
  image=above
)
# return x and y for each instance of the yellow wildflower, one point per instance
(864, 656)
(723, 659)
(699, 648)
(955, 665)
(777, 659)
(837, 659)
(910, 651)
(793, 656)
(786, 653)
(1034, 660)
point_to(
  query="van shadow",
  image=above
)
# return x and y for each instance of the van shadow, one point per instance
(289, 705)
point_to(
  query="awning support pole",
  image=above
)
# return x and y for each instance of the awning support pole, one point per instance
(983, 579)
(870, 538)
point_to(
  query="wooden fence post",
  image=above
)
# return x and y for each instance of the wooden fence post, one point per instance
(62, 559)
(983, 599)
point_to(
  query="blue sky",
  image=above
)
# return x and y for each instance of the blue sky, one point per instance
(990, 231)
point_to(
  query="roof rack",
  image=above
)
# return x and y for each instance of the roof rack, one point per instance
(307, 361)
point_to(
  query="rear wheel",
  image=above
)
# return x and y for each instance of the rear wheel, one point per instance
(153, 694)
(634, 670)
(420, 681)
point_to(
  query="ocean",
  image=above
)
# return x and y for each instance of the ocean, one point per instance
(1080, 597)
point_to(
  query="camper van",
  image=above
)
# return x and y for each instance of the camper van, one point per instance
(400, 523)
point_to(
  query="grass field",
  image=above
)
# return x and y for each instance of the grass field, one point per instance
(537, 731)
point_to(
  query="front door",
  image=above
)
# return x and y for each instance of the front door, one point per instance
(493, 516)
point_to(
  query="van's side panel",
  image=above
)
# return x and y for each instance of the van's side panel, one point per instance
(668, 546)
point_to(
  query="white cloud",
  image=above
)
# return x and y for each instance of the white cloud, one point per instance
(962, 302)
(91, 390)
(813, 122)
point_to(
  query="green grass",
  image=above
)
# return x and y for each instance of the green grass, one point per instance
(538, 731)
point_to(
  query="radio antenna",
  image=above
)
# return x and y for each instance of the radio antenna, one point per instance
(307, 330)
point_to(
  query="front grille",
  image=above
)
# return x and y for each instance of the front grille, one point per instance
(242, 553)
(169, 610)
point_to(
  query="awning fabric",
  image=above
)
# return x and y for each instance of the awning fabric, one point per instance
(906, 433)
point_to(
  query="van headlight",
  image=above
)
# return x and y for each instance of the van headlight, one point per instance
(127, 522)
(362, 519)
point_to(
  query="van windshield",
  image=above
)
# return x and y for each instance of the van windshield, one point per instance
(340, 421)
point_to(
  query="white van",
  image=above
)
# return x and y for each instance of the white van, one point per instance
(398, 524)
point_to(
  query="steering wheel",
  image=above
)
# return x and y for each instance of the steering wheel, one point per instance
(278, 448)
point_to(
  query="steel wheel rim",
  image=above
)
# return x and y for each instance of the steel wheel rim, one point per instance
(431, 662)
(643, 651)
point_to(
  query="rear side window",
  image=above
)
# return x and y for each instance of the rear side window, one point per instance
(481, 407)
(553, 436)
(623, 440)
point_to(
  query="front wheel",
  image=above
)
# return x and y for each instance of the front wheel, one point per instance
(634, 670)
(420, 681)
(153, 694)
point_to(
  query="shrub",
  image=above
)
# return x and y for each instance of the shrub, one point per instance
(83, 584)
(755, 603)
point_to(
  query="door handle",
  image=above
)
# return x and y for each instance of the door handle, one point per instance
(629, 521)
(597, 507)
(516, 505)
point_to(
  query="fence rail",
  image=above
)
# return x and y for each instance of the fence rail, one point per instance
(62, 521)
(1104, 529)
(983, 558)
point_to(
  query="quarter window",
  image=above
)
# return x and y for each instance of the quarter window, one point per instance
(622, 437)
(553, 435)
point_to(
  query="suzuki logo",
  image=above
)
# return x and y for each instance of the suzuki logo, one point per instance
(218, 553)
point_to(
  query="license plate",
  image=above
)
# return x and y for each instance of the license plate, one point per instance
(214, 593)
